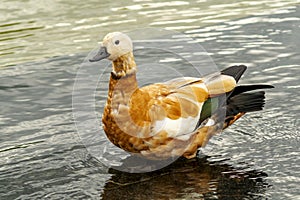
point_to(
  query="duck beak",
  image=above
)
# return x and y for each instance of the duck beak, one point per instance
(102, 53)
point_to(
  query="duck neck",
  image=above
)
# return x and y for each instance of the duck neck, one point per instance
(124, 65)
(123, 79)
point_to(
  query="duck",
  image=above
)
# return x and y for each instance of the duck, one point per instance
(173, 118)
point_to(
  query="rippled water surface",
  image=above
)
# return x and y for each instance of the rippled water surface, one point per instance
(42, 45)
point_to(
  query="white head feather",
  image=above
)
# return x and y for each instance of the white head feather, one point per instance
(117, 44)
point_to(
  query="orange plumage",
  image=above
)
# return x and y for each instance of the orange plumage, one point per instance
(169, 119)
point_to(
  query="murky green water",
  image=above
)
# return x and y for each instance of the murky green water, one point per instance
(43, 43)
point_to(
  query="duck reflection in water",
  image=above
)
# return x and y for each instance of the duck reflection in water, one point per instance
(197, 178)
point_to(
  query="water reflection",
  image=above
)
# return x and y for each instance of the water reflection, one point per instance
(188, 179)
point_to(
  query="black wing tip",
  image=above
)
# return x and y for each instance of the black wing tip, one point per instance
(234, 68)
(236, 71)
(263, 86)
(246, 88)
(269, 86)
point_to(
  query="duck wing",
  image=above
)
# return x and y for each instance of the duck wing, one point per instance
(174, 107)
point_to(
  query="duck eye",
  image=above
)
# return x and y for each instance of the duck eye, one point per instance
(117, 42)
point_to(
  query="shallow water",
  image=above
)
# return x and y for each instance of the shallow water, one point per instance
(42, 46)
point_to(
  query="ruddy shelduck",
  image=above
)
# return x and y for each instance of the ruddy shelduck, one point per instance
(173, 118)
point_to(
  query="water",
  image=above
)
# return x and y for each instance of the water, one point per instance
(42, 45)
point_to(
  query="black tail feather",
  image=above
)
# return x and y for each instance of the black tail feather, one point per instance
(245, 102)
(237, 102)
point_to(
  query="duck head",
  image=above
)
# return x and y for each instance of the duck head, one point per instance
(113, 46)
